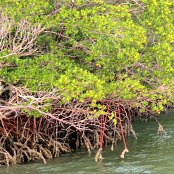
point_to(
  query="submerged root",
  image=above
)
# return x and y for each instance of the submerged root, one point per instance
(98, 155)
(161, 130)
(62, 128)
(123, 153)
(32, 153)
(133, 132)
(112, 146)
(8, 158)
(58, 147)
(87, 143)
(96, 139)
(45, 152)
(26, 155)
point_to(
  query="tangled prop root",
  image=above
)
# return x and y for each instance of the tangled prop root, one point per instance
(61, 129)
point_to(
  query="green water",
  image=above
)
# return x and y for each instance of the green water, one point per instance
(150, 153)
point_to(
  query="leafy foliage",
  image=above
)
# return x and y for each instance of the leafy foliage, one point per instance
(97, 50)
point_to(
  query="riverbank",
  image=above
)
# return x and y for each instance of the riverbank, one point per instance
(64, 128)
(150, 153)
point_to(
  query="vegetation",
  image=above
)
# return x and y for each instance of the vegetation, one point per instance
(85, 57)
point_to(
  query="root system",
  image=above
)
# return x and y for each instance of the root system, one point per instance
(61, 129)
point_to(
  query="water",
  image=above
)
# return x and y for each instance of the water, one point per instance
(150, 153)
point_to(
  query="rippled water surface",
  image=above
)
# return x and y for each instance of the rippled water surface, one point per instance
(150, 153)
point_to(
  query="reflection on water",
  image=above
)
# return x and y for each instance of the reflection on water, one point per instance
(148, 154)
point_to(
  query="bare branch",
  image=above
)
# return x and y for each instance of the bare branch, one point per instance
(18, 38)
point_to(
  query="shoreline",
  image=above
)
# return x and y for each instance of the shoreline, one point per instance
(65, 128)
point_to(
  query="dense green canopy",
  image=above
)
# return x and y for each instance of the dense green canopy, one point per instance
(90, 49)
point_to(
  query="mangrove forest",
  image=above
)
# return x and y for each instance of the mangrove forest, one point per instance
(74, 74)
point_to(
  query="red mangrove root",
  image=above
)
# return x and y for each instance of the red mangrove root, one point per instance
(98, 155)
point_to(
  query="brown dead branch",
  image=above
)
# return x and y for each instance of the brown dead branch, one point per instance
(18, 38)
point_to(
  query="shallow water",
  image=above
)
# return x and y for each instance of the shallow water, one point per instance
(150, 153)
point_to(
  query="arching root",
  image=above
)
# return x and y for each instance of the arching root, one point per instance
(45, 152)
